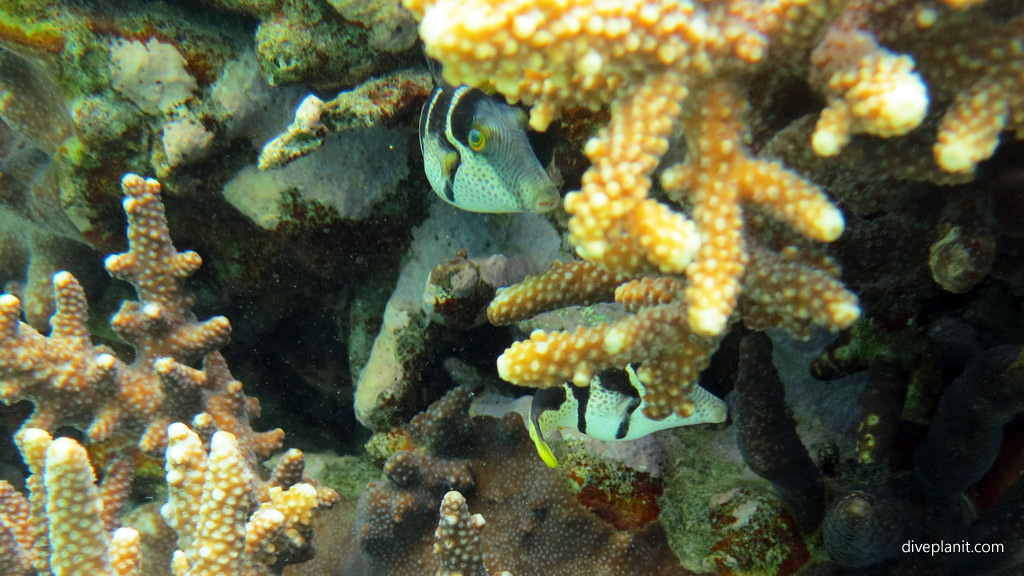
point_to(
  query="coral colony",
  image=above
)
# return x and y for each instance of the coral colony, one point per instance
(795, 223)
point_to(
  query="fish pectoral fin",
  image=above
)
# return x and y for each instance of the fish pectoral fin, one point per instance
(546, 454)
(557, 444)
(550, 448)
(449, 161)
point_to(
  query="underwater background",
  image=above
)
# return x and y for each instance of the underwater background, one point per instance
(530, 287)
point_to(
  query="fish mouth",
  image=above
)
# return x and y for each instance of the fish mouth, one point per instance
(545, 199)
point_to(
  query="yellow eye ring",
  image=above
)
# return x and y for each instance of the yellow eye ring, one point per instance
(477, 139)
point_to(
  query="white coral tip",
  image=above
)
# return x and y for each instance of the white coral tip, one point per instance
(707, 322)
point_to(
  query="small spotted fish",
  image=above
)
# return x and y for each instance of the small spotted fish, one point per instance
(477, 156)
(610, 409)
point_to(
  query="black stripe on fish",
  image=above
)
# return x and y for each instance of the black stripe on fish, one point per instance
(463, 112)
(624, 425)
(617, 380)
(434, 116)
(433, 121)
(544, 400)
(582, 395)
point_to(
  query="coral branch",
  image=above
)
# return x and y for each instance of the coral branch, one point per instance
(60, 528)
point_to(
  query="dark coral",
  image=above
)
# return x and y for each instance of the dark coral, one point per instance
(964, 441)
(1003, 524)
(928, 505)
(881, 406)
(874, 524)
(767, 434)
(862, 528)
(963, 490)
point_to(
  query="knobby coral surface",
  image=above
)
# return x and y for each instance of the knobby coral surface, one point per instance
(225, 523)
(719, 230)
(218, 501)
(657, 66)
(59, 527)
(73, 382)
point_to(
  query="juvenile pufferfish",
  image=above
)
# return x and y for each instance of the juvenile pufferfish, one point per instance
(610, 409)
(476, 154)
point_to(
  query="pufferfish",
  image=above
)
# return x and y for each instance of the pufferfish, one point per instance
(610, 409)
(477, 156)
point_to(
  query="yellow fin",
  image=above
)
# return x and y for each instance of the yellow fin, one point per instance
(448, 162)
(542, 446)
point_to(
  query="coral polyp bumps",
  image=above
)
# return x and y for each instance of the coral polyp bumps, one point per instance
(741, 247)
(258, 526)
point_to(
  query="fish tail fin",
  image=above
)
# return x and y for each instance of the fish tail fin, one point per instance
(708, 408)
(497, 406)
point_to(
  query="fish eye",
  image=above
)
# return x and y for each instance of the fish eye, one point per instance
(477, 139)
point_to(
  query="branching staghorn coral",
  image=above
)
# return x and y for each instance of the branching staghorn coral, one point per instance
(227, 522)
(75, 383)
(59, 528)
(790, 293)
(869, 88)
(718, 177)
(881, 64)
(643, 61)
(884, 62)
(224, 525)
(656, 66)
(457, 544)
(744, 259)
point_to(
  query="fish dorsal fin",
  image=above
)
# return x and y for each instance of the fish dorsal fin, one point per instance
(557, 445)
(434, 67)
